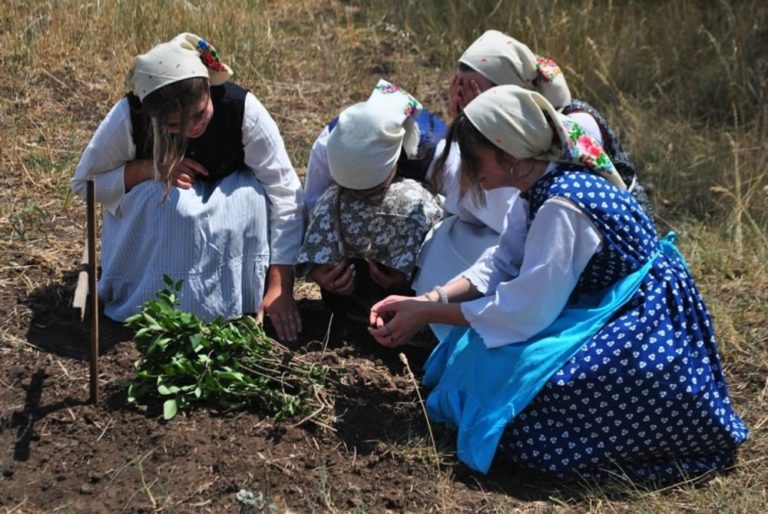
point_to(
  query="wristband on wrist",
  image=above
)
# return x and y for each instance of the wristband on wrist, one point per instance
(442, 296)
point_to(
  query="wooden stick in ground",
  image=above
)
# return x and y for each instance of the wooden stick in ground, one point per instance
(94, 293)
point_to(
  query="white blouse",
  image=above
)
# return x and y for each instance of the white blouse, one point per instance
(560, 243)
(503, 206)
(112, 147)
(497, 201)
(318, 176)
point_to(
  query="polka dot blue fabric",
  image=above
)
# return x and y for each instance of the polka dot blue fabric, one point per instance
(646, 398)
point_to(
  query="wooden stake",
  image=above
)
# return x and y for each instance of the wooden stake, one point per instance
(94, 293)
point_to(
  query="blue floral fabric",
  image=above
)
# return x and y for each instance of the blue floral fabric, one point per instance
(479, 390)
(642, 395)
(646, 397)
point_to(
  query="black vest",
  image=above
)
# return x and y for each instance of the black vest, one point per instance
(220, 148)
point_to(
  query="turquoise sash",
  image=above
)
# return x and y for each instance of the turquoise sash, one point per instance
(480, 390)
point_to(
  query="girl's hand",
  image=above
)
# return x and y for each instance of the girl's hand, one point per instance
(461, 92)
(183, 174)
(389, 279)
(137, 171)
(396, 318)
(278, 303)
(470, 90)
(453, 98)
(335, 278)
(282, 311)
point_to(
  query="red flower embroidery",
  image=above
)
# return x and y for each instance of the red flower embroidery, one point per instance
(590, 146)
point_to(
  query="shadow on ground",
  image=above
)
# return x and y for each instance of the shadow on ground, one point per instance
(56, 327)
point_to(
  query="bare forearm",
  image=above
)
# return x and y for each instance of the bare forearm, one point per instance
(447, 313)
(280, 277)
(456, 291)
(461, 290)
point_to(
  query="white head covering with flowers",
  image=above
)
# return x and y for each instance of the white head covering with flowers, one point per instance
(365, 145)
(504, 60)
(185, 56)
(524, 124)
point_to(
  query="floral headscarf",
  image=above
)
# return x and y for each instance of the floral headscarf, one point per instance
(185, 56)
(504, 60)
(521, 122)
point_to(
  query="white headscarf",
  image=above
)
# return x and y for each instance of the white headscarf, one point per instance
(504, 60)
(365, 145)
(185, 56)
(523, 124)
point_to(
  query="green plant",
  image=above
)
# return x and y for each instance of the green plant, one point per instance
(229, 364)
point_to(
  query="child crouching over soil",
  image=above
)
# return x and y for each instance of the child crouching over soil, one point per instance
(196, 184)
(365, 231)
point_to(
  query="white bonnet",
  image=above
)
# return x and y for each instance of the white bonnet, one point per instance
(366, 143)
(506, 61)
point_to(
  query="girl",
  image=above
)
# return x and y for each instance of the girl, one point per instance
(497, 59)
(431, 131)
(599, 357)
(366, 229)
(196, 184)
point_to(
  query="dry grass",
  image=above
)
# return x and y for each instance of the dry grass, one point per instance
(684, 82)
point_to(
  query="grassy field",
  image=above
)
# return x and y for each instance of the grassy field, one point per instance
(684, 82)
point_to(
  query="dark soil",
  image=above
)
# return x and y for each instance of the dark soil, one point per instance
(58, 451)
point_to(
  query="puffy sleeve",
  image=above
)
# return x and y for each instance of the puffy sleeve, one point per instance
(318, 176)
(266, 156)
(104, 159)
(560, 243)
(502, 262)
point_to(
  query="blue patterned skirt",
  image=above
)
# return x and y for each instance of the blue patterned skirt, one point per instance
(214, 237)
(645, 399)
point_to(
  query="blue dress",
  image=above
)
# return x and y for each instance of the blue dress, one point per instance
(645, 397)
(626, 381)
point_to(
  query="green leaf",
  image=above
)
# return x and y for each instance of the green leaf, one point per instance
(166, 303)
(142, 332)
(160, 342)
(197, 342)
(170, 408)
(165, 390)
